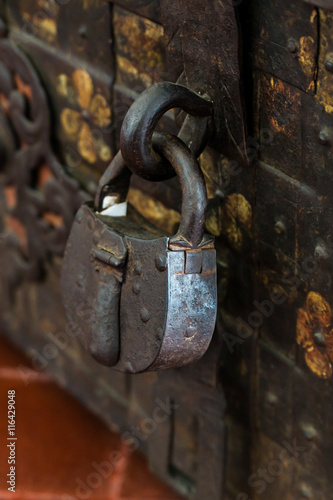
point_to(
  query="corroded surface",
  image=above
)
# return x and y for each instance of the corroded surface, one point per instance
(272, 221)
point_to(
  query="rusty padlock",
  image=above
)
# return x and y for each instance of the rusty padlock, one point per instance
(142, 300)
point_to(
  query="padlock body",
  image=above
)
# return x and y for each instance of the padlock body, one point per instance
(168, 305)
(91, 286)
(192, 306)
(138, 305)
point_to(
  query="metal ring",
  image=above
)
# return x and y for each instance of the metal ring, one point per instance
(140, 122)
(190, 233)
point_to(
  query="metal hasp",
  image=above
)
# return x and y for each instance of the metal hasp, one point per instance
(143, 300)
(325, 4)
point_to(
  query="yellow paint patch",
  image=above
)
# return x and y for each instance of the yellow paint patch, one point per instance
(306, 56)
(236, 219)
(84, 126)
(313, 17)
(140, 48)
(84, 87)
(281, 103)
(324, 93)
(154, 211)
(126, 66)
(314, 321)
(71, 121)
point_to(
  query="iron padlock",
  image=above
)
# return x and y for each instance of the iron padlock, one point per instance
(141, 299)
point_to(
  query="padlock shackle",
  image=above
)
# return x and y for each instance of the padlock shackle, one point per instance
(115, 180)
(142, 118)
(190, 233)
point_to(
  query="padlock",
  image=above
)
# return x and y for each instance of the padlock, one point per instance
(142, 300)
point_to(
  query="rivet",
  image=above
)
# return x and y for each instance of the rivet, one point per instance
(323, 138)
(306, 491)
(159, 333)
(329, 65)
(86, 115)
(320, 252)
(95, 239)
(80, 281)
(83, 31)
(79, 217)
(271, 398)
(219, 194)
(91, 223)
(129, 367)
(136, 288)
(190, 331)
(292, 46)
(280, 227)
(144, 315)
(319, 338)
(138, 268)
(161, 261)
(309, 432)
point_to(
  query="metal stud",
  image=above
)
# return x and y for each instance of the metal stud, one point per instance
(144, 315)
(161, 262)
(292, 46)
(329, 65)
(137, 268)
(271, 398)
(159, 333)
(91, 223)
(306, 491)
(320, 252)
(319, 338)
(190, 332)
(80, 281)
(323, 138)
(83, 31)
(309, 432)
(280, 227)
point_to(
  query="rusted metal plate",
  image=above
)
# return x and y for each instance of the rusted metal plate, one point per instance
(284, 41)
(204, 54)
(144, 8)
(325, 4)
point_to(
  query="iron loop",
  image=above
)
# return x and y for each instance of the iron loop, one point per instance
(141, 119)
(190, 233)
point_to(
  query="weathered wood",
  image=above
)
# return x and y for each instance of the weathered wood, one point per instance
(270, 361)
(139, 50)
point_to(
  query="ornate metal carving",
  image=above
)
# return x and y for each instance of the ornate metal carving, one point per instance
(41, 199)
